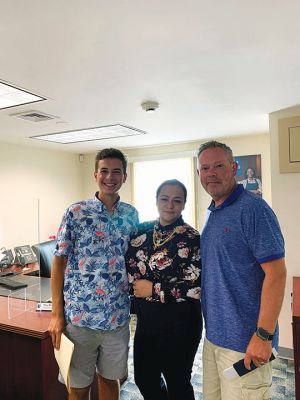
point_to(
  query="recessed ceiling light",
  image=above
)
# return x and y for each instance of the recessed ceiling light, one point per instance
(11, 96)
(90, 134)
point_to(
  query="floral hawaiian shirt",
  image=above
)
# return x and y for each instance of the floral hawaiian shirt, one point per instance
(94, 242)
(169, 256)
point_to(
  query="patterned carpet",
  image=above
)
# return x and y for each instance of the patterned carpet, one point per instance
(283, 379)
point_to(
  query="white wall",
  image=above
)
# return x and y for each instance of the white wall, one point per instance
(29, 175)
(286, 195)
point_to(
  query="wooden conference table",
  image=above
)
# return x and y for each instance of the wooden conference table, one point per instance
(28, 370)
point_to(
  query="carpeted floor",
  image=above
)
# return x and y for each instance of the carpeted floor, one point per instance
(283, 379)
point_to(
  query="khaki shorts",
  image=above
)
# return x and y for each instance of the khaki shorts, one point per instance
(103, 351)
(255, 385)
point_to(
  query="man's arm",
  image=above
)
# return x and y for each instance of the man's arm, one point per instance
(57, 323)
(272, 295)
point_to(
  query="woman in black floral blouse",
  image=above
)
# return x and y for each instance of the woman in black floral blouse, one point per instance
(163, 263)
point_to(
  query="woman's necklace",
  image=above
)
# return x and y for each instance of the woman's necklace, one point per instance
(158, 240)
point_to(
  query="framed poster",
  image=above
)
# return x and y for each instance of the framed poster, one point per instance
(249, 173)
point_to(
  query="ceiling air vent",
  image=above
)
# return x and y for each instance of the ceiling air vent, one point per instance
(34, 116)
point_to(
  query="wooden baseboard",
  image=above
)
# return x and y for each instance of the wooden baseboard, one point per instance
(285, 352)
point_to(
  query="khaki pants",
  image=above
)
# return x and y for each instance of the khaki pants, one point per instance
(255, 385)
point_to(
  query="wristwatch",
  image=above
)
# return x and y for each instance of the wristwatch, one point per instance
(263, 334)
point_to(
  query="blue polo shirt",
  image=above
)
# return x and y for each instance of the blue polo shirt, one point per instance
(240, 234)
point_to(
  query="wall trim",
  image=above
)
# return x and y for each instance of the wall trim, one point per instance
(285, 352)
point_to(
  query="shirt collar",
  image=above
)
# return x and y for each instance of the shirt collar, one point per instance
(178, 222)
(102, 205)
(229, 200)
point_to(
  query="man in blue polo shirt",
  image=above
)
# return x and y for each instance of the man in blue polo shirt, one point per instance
(243, 280)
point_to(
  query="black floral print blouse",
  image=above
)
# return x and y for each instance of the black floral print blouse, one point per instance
(173, 265)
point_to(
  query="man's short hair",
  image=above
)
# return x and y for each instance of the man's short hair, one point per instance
(214, 144)
(110, 153)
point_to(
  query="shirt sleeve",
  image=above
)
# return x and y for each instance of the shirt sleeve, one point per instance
(131, 270)
(263, 233)
(131, 261)
(136, 220)
(64, 242)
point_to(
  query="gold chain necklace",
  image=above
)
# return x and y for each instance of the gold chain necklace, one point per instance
(157, 241)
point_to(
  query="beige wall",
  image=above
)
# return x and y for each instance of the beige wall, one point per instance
(285, 195)
(30, 177)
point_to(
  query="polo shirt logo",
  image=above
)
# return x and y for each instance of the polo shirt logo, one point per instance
(226, 229)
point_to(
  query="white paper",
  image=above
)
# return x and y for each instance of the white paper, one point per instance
(63, 357)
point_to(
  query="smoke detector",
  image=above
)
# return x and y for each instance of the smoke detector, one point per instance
(150, 106)
(34, 116)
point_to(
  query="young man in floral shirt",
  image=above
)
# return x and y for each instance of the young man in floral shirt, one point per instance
(89, 282)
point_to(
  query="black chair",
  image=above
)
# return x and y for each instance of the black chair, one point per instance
(44, 252)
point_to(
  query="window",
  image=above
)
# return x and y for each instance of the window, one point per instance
(148, 175)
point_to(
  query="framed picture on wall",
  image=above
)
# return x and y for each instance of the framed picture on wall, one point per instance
(249, 173)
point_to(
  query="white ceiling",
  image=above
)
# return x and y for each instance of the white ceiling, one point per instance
(217, 68)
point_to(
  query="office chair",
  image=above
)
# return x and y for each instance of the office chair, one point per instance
(44, 252)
